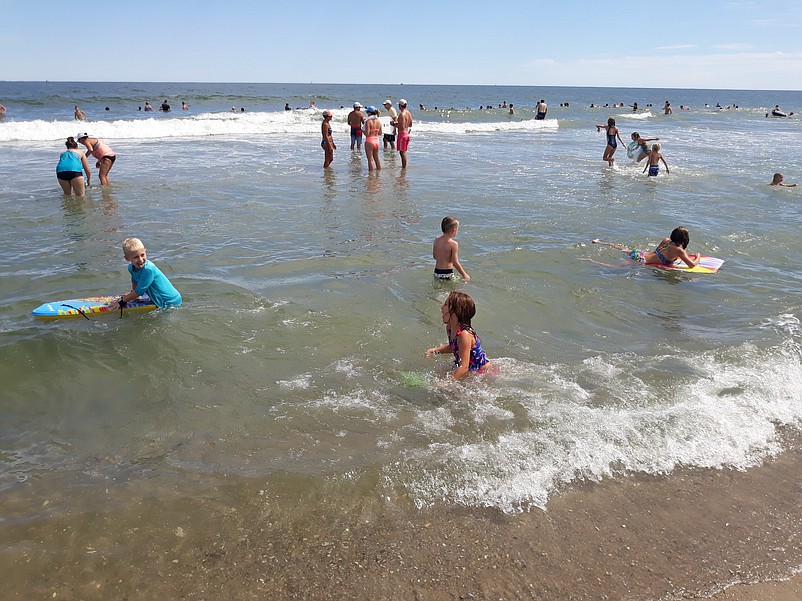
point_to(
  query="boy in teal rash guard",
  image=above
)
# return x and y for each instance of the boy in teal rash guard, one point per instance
(146, 278)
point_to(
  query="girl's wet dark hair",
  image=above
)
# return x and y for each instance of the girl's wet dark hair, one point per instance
(680, 237)
(71, 143)
(461, 305)
(611, 121)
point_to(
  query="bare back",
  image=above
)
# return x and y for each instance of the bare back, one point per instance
(443, 251)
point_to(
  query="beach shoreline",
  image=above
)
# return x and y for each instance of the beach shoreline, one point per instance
(282, 436)
(696, 534)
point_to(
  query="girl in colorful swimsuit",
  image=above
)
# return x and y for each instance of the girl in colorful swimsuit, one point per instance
(100, 150)
(463, 341)
(612, 134)
(668, 251)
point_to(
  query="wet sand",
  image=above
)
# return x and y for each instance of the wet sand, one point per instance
(790, 590)
(690, 535)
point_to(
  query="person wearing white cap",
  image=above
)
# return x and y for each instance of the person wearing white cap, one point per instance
(356, 119)
(403, 124)
(389, 138)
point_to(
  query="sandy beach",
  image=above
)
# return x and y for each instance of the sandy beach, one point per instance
(686, 536)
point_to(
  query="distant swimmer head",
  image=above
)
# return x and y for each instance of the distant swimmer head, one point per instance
(357, 105)
(681, 237)
(371, 110)
(402, 102)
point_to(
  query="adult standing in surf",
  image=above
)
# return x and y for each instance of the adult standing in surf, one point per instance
(403, 125)
(69, 169)
(373, 132)
(327, 144)
(102, 152)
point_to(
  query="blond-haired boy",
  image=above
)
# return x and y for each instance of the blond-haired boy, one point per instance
(146, 279)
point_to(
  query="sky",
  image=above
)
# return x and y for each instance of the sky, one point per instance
(729, 44)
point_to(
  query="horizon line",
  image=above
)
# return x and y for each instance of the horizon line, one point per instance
(620, 87)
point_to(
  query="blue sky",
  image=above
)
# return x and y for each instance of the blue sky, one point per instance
(738, 44)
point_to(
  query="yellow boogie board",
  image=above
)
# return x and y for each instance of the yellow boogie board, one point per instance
(91, 305)
(706, 265)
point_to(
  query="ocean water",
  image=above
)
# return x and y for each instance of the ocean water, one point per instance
(297, 358)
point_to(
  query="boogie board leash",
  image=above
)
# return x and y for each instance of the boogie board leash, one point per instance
(84, 315)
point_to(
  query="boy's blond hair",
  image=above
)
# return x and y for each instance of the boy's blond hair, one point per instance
(132, 244)
(656, 147)
(448, 224)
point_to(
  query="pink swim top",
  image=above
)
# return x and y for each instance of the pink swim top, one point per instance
(101, 149)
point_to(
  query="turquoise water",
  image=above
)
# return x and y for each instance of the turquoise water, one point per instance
(309, 299)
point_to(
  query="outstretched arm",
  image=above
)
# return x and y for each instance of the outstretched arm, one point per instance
(126, 297)
(437, 350)
(613, 244)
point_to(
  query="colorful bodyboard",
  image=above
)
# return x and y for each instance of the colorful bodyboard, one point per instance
(706, 265)
(91, 305)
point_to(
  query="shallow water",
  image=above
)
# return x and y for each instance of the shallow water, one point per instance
(297, 357)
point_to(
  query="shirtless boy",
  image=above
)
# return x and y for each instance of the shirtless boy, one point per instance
(445, 251)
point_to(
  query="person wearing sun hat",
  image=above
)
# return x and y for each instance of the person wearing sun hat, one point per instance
(356, 119)
(389, 138)
(403, 124)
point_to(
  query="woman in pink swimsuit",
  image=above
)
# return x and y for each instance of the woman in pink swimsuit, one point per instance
(373, 135)
(100, 150)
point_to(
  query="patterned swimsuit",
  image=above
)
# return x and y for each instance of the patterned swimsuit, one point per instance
(478, 358)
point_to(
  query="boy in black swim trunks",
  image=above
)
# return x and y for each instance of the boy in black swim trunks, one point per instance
(445, 251)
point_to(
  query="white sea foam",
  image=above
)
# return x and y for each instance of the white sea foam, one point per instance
(636, 116)
(620, 419)
(232, 124)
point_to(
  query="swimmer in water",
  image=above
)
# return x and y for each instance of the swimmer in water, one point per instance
(777, 180)
(667, 252)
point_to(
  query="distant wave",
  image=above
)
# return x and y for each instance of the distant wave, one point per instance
(226, 123)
